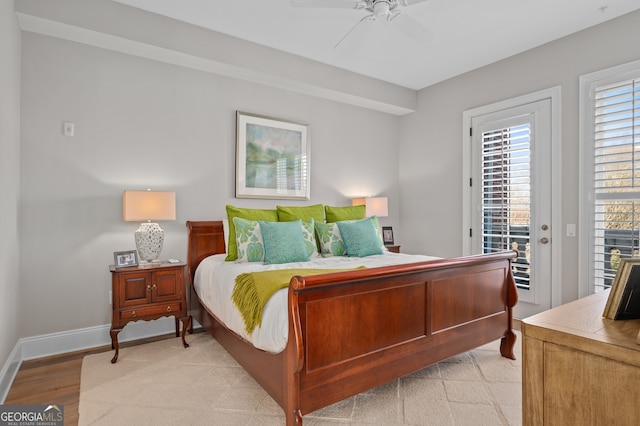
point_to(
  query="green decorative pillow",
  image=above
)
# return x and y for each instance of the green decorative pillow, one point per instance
(360, 238)
(339, 214)
(250, 245)
(251, 214)
(330, 240)
(309, 235)
(291, 213)
(283, 242)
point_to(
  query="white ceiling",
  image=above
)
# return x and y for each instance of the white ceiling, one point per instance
(465, 34)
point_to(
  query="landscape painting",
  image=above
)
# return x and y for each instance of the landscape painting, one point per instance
(272, 158)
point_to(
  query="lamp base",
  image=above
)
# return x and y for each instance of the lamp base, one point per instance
(149, 263)
(149, 240)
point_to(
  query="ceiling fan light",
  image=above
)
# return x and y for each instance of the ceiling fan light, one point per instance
(381, 8)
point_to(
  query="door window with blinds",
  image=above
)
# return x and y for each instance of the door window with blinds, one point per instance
(506, 195)
(510, 191)
(614, 110)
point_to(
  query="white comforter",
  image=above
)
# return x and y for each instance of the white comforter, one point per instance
(215, 278)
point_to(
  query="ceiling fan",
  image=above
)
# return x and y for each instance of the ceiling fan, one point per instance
(388, 10)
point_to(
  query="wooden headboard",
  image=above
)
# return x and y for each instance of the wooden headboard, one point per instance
(205, 239)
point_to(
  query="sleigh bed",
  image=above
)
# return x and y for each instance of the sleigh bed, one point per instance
(354, 330)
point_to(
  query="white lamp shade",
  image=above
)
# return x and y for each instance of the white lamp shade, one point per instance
(375, 206)
(140, 206)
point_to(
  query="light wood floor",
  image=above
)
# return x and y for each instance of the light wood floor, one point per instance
(56, 380)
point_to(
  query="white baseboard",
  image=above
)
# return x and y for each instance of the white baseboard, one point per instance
(76, 340)
(9, 371)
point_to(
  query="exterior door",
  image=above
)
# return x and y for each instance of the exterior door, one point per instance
(511, 196)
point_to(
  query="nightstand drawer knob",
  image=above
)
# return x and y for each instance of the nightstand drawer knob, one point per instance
(133, 314)
(155, 287)
(148, 288)
(168, 308)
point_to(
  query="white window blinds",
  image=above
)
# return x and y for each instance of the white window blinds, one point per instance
(616, 176)
(506, 193)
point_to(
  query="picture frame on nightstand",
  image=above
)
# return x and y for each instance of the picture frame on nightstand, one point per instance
(387, 235)
(124, 259)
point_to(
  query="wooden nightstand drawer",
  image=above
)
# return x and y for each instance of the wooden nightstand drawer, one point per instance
(149, 311)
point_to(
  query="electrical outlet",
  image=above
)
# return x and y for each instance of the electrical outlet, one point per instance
(68, 128)
(110, 297)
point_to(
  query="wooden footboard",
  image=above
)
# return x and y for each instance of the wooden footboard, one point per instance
(354, 330)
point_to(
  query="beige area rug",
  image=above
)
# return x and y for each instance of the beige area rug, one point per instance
(162, 383)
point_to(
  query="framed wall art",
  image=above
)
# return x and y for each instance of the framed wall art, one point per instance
(272, 158)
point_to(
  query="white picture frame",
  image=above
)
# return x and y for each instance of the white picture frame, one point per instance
(272, 158)
(125, 259)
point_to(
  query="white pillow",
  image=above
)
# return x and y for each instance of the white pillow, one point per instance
(249, 240)
(331, 243)
(225, 230)
(309, 234)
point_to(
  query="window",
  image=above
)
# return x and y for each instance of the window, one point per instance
(506, 195)
(611, 126)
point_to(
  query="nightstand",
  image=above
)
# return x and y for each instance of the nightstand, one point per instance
(148, 293)
(393, 249)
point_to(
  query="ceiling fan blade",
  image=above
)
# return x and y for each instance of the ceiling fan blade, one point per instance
(337, 4)
(410, 27)
(368, 18)
(410, 2)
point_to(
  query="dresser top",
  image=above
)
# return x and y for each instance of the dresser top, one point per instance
(580, 324)
(146, 267)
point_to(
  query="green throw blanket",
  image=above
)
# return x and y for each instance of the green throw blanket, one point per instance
(252, 290)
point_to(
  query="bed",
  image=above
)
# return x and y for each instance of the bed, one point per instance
(354, 330)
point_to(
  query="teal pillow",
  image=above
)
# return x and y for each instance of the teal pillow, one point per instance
(250, 245)
(330, 240)
(376, 224)
(338, 214)
(291, 213)
(251, 214)
(360, 238)
(283, 242)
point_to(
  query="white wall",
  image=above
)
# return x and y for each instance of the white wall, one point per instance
(431, 148)
(141, 123)
(114, 26)
(9, 178)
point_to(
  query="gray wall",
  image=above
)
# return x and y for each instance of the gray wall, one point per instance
(139, 124)
(431, 148)
(9, 177)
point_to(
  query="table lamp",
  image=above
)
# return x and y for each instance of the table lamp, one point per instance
(375, 206)
(150, 206)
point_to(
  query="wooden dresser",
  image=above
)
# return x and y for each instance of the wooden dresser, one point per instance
(579, 368)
